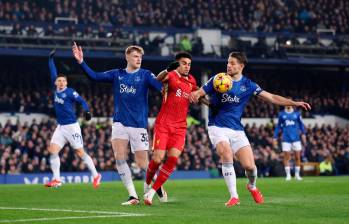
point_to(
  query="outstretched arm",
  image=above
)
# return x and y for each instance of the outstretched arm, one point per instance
(196, 95)
(282, 101)
(52, 67)
(162, 76)
(84, 105)
(99, 76)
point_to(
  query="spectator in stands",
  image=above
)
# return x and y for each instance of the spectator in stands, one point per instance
(326, 167)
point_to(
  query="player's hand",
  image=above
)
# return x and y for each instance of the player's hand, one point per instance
(77, 53)
(303, 105)
(52, 53)
(88, 115)
(172, 66)
(194, 97)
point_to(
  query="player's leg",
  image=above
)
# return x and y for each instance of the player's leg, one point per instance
(168, 167)
(140, 145)
(165, 172)
(219, 137)
(286, 148)
(90, 165)
(297, 153)
(142, 161)
(120, 148)
(120, 140)
(72, 133)
(226, 156)
(55, 164)
(246, 158)
(160, 139)
(57, 143)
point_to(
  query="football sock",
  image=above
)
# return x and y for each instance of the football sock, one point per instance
(297, 169)
(89, 163)
(151, 171)
(252, 177)
(228, 172)
(55, 166)
(288, 171)
(165, 172)
(126, 177)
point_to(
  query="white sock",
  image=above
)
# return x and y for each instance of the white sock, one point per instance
(297, 169)
(55, 166)
(228, 172)
(151, 193)
(89, 163)
(288, 171)
(126, 177)
(252, 177)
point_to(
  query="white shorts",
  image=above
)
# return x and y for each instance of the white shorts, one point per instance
(236, 139)
(288, 146)
(138, 137)
(68, 133)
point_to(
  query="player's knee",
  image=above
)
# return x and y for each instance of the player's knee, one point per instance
(120, 156)
(80, 152)
(157, 158)
(226, 156)
(250, 167)
(53, 149)
(142, 164)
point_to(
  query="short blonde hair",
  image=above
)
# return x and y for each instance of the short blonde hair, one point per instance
(133, 48)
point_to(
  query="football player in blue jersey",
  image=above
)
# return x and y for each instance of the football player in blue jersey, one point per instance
(290, 122)
(130, 120)
(225, 129)
(68, 129)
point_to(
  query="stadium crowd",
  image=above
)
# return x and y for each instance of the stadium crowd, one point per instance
(33, 94)
(23, 148)
(105, 24)
(255, 15)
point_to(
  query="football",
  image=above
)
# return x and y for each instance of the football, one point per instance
(222, 82)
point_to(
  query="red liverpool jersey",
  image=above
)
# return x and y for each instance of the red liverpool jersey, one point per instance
(175, 99)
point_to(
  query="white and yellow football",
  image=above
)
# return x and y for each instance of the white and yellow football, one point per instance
(222, 82)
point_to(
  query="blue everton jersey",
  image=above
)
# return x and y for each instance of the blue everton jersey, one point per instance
(230, 105)
(64, 103)
(291, 125)
(130, 93)
(64, 100)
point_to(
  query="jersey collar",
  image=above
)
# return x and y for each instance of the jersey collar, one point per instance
(59, 91)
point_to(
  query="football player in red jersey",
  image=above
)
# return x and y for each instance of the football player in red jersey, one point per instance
(171, 122)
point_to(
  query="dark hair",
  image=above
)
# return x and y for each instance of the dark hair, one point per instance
(183, 54)
(240, 56)
(61, 75)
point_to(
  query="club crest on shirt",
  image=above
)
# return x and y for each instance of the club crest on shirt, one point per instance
(64, 95)
(59, 100)
(137, 79)
(243, 88)
(289, 122)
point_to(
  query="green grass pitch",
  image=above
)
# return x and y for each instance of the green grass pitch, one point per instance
(313, 200)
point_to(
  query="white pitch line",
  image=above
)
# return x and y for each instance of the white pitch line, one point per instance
(69, 210)
(64, 218)
(105, 214)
